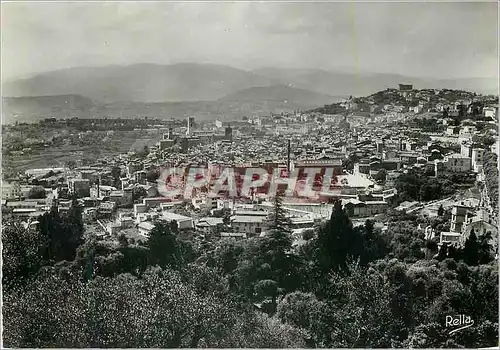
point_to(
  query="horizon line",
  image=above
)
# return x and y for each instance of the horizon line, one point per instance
(338, 70)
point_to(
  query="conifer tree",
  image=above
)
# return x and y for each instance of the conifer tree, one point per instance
(440, 210)
(335, 240)
(471, 249)
(278, 218)
(443, 252)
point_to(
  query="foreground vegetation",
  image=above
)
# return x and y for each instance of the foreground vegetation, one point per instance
(345, 287)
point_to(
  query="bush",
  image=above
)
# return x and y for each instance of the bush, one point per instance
(37, 192)
(308, 234)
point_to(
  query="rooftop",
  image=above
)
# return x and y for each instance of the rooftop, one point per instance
(172, 216)
(146, 225)
(247, 219)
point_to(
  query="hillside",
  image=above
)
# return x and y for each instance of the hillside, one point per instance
(393, 100)
(208, 91)
(252, 101)
(362, 84)
(280, 94)
(207, 82)
(139, 82)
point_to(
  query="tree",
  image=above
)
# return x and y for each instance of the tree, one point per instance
(122, 240)
(169, 311)
(142, 152)
(371, 244)
(145, 151)
(445, 113)
(165, 249)
(485, 249)
(361, 311)
(37, 192)
(153, 175)
(278, 219)
(431, 246)
(408, 186)
(224, 213)
(308, 234)
(305, 311)
(44, 313)
(471, 249)
(440, 211)
(21, 252)
(116, 174)
(71, 164)
(267, 288)
(380, 177)
(429, 190)
(443, 252)
(62, 234)
(139, 192)
(336, 241)
(461, 111)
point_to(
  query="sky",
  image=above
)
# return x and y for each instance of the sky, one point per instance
(446, 40)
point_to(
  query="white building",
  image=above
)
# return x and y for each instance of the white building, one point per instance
(183, 222)
(467, 129)
(489, 112)
(11, 190)
(145, 228)
(455, 163)
(495, 148)
(208, 225)
(466, 149)
(250, 222)
(450, 237)
(477, 158)
(450, 130)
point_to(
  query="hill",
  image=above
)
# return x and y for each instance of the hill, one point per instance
(252, 101)
(139, 82)
(204, 90)
(364, 83)
(280, 94)
(207, 82)
(416, 101)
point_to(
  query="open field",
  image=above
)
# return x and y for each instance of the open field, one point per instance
(58, 155)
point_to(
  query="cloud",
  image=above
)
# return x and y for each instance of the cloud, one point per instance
(450, 39)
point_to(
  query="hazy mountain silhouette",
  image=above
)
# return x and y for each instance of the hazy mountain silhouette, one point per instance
(204, 82)
(280, 93)
(252, 101)
(139, 82)
(206, 90)
(364, 83)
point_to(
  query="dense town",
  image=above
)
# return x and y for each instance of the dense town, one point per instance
(426, 158)
(367, 149)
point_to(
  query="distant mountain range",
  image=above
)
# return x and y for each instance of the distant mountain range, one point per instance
(196, 89)
(362, 84)
(251, 101)
(140, 82)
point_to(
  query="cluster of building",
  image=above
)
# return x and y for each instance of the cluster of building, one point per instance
(121, 193)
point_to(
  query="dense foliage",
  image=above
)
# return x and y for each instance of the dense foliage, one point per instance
(37, 192)
(491, 177)
(346, 286)
(417, 185)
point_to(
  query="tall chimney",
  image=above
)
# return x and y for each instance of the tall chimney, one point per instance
(188, 126)
(288, 158)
